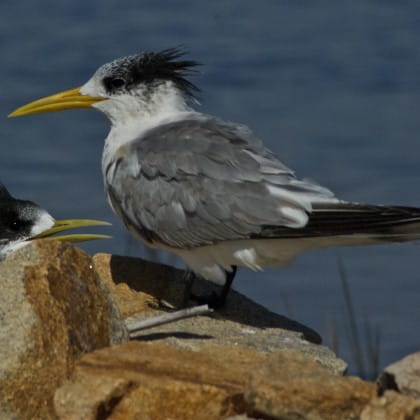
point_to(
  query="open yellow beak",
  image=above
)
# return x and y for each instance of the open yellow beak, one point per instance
(68, 99)
(63, 225)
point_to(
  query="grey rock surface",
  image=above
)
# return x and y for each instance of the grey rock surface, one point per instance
(241, 322)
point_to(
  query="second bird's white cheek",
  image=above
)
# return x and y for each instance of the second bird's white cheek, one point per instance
(44, 222)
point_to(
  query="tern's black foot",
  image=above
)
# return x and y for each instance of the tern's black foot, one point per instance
(214, 300)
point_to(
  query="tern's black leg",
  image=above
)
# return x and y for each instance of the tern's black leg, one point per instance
(214, 300)
(230, 275)
(189, 278)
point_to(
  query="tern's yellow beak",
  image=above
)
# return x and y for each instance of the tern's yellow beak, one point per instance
(62, 225)
(68, 99)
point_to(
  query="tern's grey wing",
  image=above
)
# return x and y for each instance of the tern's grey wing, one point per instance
(197, 182)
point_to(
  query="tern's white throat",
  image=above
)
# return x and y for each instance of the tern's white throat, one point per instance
(134, 113)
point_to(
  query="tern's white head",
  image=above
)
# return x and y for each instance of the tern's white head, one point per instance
(133, 87)
(142, 85)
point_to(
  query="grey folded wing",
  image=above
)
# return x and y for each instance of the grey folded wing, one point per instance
(197, 182)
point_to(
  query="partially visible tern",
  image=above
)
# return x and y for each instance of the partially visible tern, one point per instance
(206, 189)
(22, 221)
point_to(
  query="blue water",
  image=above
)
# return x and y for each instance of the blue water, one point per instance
(332, 87)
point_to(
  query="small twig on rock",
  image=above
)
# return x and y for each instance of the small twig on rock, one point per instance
(134, 327)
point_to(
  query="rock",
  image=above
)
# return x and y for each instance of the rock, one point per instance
(295, 387)
(53, 308)
(392, 406)
(139, 287)
(402, 376)
(59, 318)
(150, 380)
(139, 380)
(93, 398)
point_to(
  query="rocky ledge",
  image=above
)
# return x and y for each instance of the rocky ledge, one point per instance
(66, 352)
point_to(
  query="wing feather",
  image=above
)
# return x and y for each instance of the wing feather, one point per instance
(197, 182)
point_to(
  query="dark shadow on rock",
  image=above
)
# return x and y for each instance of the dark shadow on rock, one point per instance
(166, 283)
(175, 334)
(385, 382)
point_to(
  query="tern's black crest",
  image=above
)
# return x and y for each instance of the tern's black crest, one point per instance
(4, 194)
(149, 68)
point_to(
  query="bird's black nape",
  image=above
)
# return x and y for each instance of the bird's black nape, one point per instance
(149, 68)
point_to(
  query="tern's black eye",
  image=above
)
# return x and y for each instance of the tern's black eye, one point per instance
(113, 83)
(16, 225)
(117, 83)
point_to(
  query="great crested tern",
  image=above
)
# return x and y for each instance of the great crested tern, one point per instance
(22, 221)
(206, 189)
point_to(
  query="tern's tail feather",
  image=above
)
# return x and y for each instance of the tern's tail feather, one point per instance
(330, 224)
(355, 224)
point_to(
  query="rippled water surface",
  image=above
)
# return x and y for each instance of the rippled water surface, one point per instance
(332, 88)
